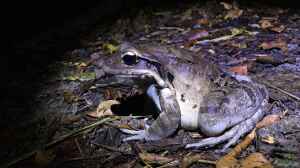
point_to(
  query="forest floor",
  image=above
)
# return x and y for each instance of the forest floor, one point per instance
(260, 41)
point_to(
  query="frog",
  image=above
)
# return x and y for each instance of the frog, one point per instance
(190, 92)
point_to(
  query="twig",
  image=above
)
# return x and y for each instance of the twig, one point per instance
(55, 142)
(283, 91)
(206, 161)
(174, 163)
(188, 160)
(78, 147)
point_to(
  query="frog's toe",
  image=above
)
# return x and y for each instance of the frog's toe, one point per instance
(137, 135)
(243, 128)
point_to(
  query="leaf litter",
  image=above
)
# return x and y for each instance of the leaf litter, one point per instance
(243, 39)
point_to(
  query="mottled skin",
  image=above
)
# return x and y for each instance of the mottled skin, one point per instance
(192, 93)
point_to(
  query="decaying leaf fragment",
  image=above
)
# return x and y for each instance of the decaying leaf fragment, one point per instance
(154, 158)
(103, 109)
(233, 11)
(240, 69)
(229, 160)
(271, 24)
(268, 120)
(110, 48)
(256, 160)
(275, 44)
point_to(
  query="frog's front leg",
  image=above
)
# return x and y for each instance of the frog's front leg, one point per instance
(167, 122)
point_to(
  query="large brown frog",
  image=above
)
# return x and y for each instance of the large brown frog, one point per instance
(190, 93)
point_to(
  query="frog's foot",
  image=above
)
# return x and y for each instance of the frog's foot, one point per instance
(137, 135)
(232, 136)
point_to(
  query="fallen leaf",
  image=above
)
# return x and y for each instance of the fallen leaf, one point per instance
(87, 76)
(256, 160)
(275, 44)
(71, 78)
(239, 31)
(110, 48)
(278, 29)
(268, 139)
(103, 109)
(202, 21)
(227, 6)
(82, 64)
(268, 120)
(154, 158)
(229, 160)
(265, 24)
(240, 69)
(70, 97)
(233, 14)
(186, 15)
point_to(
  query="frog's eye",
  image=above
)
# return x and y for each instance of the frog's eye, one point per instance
(130, 58)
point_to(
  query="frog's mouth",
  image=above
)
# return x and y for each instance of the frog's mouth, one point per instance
(137, 105)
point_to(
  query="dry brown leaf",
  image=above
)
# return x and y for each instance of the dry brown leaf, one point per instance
(233, 14)
(268, 139)
(103, 109)
(275, 44)
(278, 29)
(226, 5)
(229, 160)
(256, 160)
(265, 24)
(154, 158)
(240, 69)
(268, 120)
(203, 21)
(70, 97)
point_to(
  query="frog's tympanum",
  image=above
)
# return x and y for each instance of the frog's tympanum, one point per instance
(190, 93)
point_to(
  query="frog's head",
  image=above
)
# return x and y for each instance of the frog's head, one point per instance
(127, 60)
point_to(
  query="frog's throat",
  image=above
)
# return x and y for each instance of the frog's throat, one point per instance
(189, 119)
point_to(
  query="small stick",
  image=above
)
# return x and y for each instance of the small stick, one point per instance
(78, 147)
(283, 91)
(53, 143)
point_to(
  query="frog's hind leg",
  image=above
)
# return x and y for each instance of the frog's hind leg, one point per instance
(233, 135)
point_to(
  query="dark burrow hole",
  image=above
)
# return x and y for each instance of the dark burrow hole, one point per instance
(137, 105)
